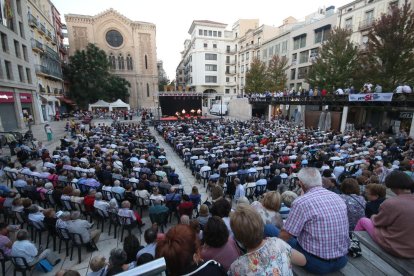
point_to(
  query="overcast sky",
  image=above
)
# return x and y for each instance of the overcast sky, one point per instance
(174, 18)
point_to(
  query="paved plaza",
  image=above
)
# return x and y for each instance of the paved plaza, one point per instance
(106, 243)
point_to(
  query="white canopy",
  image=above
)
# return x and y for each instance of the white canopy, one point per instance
(118, 104)
(99, 104)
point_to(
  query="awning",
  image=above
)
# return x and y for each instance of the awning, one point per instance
(49, 98)
(66, 100)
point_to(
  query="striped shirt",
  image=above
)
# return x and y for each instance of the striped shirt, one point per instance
(319, 221)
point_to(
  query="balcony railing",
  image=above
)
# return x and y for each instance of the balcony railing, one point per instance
(43, 70)
(230, 52)
(366, 24)
(37, 45)
(52, 53)
(32, 20)
(42, 28)
(62, 49)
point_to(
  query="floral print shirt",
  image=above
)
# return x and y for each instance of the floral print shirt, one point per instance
(272, 258)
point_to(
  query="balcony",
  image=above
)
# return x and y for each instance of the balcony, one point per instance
(365, 24)
(49, 35)
(402, 100)
(230, 52)
(46, 72)
(42, 28)
(230, 62)
(37, 46)
(231, 72)
(54, 41)
(63, 49)
(52, 53)
(32, 20)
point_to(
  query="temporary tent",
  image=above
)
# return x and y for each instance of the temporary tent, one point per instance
(99, 104)
(118, 104)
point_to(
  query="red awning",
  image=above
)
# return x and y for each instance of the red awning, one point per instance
(66, 100)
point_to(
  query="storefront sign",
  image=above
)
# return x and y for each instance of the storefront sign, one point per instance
(6, 97)
(25, 97)
(371, 97)
(406, 115)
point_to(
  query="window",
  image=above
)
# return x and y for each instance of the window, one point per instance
(211, 67)
(314, 53)
(211, 56)
(277, 49)
(227, 91)
(303, 56)
(228, 48)
(227, 59)
(369, 16)
(114, 38)
(200, 32)
(112, 63)
(242, 57)
(215, 46)
(264, 54)
(17, 49)
(227, 79)
(242, 69)
(129, 62)
(227, 69)
(205, 45)
(348, 23)
(9, 71)
(21, 29)
(4, 44)
(21, 73)
(210, 33)
(294, 59)
(258, 54)
(271, 51)
(19, 7)
(364, 39)
(302, 72)
(219, 34)
(28, 75)
(211, 79)
(234, 91)
(205, 32)
(215, 33)
(322, 34)
(292, 74)
(148, 91)
(298, 42)
(146, 62)
(247, 55)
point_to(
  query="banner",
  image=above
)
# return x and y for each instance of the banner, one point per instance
(371, 97)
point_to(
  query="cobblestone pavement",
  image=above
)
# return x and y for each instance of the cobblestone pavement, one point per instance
(106, 242)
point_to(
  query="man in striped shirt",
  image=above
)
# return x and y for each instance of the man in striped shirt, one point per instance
(318, 219)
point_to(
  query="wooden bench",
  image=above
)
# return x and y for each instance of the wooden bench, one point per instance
(374, 261)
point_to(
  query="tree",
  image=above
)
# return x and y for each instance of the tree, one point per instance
(390, 57)
(162, 81)
(276, 73)
(90, 80)
(256, 77)
(337, 64)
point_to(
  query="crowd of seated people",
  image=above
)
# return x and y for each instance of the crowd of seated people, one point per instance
(275, 192)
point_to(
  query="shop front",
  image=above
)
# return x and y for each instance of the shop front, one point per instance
(7, 111)
(26, 101)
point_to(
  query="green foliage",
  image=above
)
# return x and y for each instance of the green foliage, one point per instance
(276, 73)
(161, 82)
(90, 80)
(337, 64)
(390, 58)
(256, 77)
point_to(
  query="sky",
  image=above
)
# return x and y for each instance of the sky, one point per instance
(173, 18)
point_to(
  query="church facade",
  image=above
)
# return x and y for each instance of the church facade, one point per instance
(129, 45)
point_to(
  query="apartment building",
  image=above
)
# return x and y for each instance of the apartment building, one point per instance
(359, 16)
(248, 48)
(41, 21)
(209, 62)
(305, 42)
(17, 73)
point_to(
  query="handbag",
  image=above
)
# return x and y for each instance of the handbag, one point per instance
(354, 249)
(44, 265)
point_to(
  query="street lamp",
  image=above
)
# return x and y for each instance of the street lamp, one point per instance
(221, 107)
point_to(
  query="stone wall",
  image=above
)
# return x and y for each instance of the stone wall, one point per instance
(240, 109)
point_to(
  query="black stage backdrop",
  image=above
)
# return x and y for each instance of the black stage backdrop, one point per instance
(171, 104)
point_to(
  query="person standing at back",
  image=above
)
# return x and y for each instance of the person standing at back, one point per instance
(319, 221)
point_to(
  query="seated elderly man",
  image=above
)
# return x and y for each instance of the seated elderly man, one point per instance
(83, 227)
(24, 248)
(101, 204)
(319, 221)
(117, 189)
